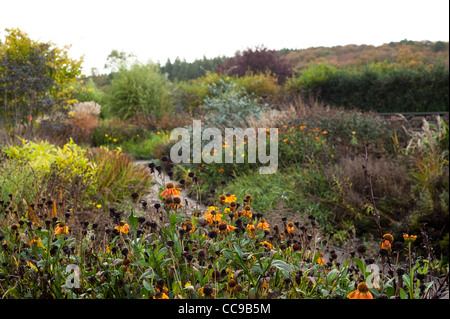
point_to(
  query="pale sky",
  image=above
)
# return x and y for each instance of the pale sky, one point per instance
(157, 30)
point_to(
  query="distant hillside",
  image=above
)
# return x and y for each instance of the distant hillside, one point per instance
(412, 53)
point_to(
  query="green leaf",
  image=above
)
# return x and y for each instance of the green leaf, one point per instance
(282, 265)
(360, 264)
(149, 287)
(407, 281)
(403, 294)
(175, 288)
(228, 254)
(237, 249)
(133, 220)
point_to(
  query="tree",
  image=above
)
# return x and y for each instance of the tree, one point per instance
(260, 60)
(35, 77)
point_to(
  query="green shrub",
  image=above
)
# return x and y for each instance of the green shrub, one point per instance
(141, 89)
(148, 147)
(87, 91)
(377, 87)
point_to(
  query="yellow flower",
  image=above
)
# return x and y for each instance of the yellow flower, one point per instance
(362, 292)
(230, 198)
(99, 206)
(212, 217)
(211, 208)
(115, 140)
(302, 127)
(61, 229)
(267, 244)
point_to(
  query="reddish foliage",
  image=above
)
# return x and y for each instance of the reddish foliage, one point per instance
(260, 60)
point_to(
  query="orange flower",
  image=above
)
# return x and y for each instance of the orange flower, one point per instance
(160, 295)
(36, 240)
(290, 227)
(224, 228)
(388, 237)
(170, 191)
(232, 207)
(212, 216)
(252, 230)
(222, 199)
(320, 260)
(188, 226)
(176, 203)
(362, 292)
(409, 238)
(267, 244)
(263, 224)
(123, 227)
(61, 229)
(230, 198)
(386, 245)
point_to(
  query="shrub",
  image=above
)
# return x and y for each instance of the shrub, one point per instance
(380, 87)
(87, 91)
(228, 104)
(141, 89)
(257, 61)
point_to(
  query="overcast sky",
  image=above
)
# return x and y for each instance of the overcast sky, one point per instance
(157, 30)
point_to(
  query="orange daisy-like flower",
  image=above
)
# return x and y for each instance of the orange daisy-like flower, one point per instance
(252, 230)
(123, 227)
(188, 226)
(222, 199)
(232, 207)
(160, 295)
(176, 203)
(170, 191)
(230, 198)
(247, 211)
(409, 238)
(212, 217)
(321, 261)
(263, 224)
(224, 228)
(362, 292)
(386, 244)
(388, 237)
(36, 240)
(290, 227)
(267, 244)
(61, 228)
